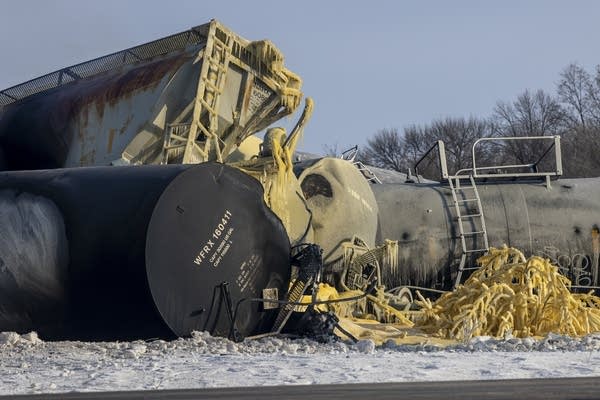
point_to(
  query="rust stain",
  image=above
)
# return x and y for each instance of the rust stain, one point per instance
(68, 114)
(109, 89)
(126, 124)
(88, 158)
(111, 137)
(100, 110)
(247, 93)
(596, 239)
(596, 253)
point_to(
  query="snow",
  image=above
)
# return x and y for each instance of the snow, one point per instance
(30, 365)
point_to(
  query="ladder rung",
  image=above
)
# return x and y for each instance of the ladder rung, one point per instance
(464, 187)
(469, 269)
(212, 86)
(216, 64)
(475, 250)
(465, 200)
(469, 216)
(204, 129)
(472, 233)
(207, 106)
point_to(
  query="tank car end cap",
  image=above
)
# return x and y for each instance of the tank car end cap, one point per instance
(212, 226)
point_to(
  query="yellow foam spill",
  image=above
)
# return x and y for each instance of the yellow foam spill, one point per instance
(288, 83)
(510, 294)
(275, 172)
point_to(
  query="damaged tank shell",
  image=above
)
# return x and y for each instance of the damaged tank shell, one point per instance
(187, 98)
(560, 223)
(33, 260)
(91, 121)
(136, 252)
(341, 202)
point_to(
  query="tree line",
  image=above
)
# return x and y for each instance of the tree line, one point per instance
(572, 112)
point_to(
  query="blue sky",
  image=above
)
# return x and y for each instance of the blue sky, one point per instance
(368, 65)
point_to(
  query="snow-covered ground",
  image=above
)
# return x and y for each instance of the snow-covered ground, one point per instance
(29, 365)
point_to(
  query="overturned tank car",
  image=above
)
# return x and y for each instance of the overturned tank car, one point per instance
(154, 256)
(440, 227)
(143, 243)
(186, 98)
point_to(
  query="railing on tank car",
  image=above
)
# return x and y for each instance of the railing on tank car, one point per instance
(501, 171)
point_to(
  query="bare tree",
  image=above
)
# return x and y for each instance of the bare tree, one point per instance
(573, 113)
(532, 114)
(581, 148)
(458, 135)
(416, 143)
(390, 149)
(331, 150)
(386, 149)
(580, 94)
(575, 90)
(593, 94)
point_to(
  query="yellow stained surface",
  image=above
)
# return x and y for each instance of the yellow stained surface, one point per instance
(507, 295)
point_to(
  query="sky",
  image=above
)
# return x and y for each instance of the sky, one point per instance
(368, 65)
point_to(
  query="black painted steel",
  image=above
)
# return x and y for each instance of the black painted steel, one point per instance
(124, 229)
(211, 225)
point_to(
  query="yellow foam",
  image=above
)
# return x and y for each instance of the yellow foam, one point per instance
(508, 294)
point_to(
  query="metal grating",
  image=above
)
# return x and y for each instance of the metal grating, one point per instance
(5, 99)
(177, 42)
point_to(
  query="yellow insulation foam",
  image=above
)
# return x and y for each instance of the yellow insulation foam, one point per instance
(507, 295)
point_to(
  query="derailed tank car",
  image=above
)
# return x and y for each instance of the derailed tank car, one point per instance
(441, 227)
(143, 252)
(560, 223)
(137, 252)
(187, 98)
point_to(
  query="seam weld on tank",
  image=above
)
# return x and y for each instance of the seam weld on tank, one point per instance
(136, 252)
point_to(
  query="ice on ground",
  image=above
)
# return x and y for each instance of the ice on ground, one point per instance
(30, 365)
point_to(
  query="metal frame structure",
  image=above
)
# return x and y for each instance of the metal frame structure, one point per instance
(442, 165)
(477, 236)
(478, 172)
(532, 166)
(203, 139)
(350, 155)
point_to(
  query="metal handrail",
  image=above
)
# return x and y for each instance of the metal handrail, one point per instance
(442, 158)
(555, 145)
(350, 154)
(478, 172)
(461, 172)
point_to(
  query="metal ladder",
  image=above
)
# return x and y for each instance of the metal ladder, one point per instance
(211, 83)
(210, 87)
(350, 155)
(470, 195)
(367, 173)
